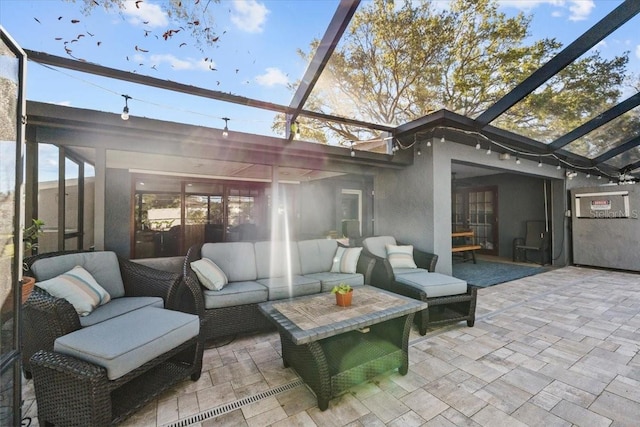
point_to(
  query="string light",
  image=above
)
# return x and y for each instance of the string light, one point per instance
(225, 131)
(478, 145)
(518, 160)
(353, 153)
(539, 163)
(559, 166)
(489, 150)
(419, 152)
(125, 110)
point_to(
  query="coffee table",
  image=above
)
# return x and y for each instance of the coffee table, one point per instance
(334, 348)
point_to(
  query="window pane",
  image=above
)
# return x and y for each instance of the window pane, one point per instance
(48, 196)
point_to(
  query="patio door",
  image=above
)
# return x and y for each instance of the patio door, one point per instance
(476, 209)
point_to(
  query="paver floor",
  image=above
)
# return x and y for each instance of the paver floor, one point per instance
(556, 349)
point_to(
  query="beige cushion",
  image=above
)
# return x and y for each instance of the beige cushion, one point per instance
(79, 288)
(400, 256)
(209, 274)
(346, 260)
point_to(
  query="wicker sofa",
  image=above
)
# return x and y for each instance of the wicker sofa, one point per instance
(99, 368)
(450, 299)
(264, 271)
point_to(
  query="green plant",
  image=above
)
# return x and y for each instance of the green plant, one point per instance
(342, 288)
(30, 234)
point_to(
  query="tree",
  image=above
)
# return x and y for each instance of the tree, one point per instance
(397, 64)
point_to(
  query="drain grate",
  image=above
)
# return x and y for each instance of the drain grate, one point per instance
(232, 406)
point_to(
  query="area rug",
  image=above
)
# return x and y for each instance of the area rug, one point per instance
(487, 273)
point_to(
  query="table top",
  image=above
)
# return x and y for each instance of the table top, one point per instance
(314, 317)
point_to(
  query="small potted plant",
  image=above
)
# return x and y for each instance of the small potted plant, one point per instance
(343, 293)
(30, 238)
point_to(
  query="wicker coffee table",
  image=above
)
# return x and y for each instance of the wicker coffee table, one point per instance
(334, 348)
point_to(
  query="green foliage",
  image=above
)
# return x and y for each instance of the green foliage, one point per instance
(30, 234)
(342, 288)
(399, 63)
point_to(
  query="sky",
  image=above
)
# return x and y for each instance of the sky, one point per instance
(255, 53)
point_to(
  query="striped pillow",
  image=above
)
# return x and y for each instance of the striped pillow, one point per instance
(400, 256)
(210, 275)
(79, 288)
(346, 260)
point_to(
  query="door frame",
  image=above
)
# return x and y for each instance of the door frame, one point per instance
(466, 213)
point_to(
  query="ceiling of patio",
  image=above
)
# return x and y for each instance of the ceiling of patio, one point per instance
(605, 139)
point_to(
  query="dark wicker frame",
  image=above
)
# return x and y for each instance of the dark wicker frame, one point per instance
(441, 310)
(225, 321)
(70, 391)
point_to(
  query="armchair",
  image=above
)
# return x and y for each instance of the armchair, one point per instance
(536, 239)
(84, 372)
(449, 299)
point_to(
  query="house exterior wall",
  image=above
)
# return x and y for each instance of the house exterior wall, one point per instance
(117, 229)
(414, 204)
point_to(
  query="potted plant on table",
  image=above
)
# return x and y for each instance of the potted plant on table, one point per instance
(30, 238)
(343, 293)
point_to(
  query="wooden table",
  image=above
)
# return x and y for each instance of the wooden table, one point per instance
(469, 246)
(334, 348)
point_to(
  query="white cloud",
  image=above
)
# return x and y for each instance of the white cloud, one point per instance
(145, 13)
(581, 9)
(249, 15)
(272, 77)
(180, 64)
(638, 51)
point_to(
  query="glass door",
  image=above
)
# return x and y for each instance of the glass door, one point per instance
(476, 209)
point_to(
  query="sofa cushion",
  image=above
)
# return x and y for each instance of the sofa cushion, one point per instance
(103, 266)
(316, 255)
(400, 256)
(434, 284)
(236, 259)
(283, 287)
(79, 288)
(328, 280)
(118, 307)
(277, 259)
(378, 245)
(236, 293)
(126, 342)
(210, 275)
(346, 260)
(401, 271)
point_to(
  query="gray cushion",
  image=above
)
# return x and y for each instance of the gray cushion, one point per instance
(236, 259)
(282, 287)
(277, 259)
(434, 284)
(329, 280)
(103, 266)
(126, 342)
(316, 255)
(401, 271)
(119, 306)
(378, 245)
(236, 293)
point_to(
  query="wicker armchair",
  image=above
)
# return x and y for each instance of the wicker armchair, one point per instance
(442, 308)
(46, 318)
(73, 391)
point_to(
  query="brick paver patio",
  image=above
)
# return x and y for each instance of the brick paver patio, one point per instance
(556, 349)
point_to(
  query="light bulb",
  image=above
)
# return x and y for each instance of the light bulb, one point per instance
(429, 143)
(599, 177)
(489, 150)
(442, 140)
(518, 161)
(225, 131)
(478, 146)
(419, 152)
(125, 113)
(539, 163)
(353, 153)
(558, 167)
(588, 175)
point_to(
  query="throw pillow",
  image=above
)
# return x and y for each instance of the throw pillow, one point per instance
(346, 260)
(401, 256)
(210, 275)
(79, 288)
